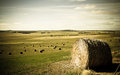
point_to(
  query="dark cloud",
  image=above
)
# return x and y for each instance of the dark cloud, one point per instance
(33, 3)
(37, 3)
(98, 1)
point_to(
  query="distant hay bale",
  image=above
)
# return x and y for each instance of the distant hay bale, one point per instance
(35, 50)
(63, 44)
(41, 51)
(60, 48)
(54, 47)
(25, 50)
(90, 53)
(10, 53)
(21, 52)
(0, 52)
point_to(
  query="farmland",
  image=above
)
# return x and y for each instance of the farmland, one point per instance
(41, 52)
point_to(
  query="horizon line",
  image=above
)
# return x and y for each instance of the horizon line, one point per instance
(61, 30)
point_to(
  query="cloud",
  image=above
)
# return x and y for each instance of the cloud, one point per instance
(4, 24)
(89, 6)
(85, 7)
(95, 1)
(112, 12)
(56, 14)
(79, 0)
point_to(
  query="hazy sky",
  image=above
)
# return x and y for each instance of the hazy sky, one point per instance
(59, 14)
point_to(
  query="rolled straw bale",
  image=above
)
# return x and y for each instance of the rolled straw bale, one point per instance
(90, 53)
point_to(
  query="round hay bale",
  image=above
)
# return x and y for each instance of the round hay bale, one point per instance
(35, 50)
(63, 44)
(10, 53)
(54, 47)
(90, 53)
(41, 51)
(60, 48)
(25, 50)
(0, 52)
(21, 52)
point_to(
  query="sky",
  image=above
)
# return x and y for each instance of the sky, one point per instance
(59, 14)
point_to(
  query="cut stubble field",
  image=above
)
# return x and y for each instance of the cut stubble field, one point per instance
(47, 52)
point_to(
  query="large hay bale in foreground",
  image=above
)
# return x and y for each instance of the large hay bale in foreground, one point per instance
(90, 53)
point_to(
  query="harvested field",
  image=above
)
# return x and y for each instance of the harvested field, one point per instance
(33, 62)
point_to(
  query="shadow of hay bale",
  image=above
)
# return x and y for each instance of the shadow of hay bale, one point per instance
(108, 68)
